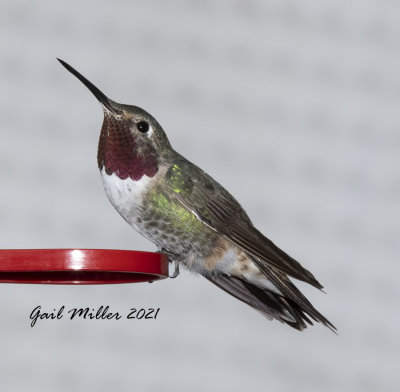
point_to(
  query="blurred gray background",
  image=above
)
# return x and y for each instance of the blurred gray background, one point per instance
(292, 106)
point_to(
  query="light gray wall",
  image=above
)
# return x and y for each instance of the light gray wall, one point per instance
(293, 106)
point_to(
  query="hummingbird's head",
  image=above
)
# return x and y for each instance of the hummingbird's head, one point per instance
(132, 142)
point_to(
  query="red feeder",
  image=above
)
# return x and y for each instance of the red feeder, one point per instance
(81, 266)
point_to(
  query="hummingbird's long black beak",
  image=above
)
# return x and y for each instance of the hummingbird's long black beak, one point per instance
(106, 102)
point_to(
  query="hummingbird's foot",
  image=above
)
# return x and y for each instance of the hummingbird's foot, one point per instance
(176, 269)
(172, 259)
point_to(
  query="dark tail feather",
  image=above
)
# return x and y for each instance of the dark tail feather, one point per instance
(268, 303)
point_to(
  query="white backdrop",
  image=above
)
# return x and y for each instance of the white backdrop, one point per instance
(292, 106)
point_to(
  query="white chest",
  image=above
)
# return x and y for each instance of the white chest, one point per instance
(125, 195)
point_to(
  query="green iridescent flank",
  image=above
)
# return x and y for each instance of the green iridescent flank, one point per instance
(171, 211)
(179, 182)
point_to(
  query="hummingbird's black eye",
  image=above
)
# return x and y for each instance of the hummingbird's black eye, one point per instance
(142, 126)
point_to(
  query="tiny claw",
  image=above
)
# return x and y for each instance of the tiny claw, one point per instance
(172, 259)
(176, 270)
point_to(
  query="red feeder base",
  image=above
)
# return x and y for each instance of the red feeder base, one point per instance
(81, 266)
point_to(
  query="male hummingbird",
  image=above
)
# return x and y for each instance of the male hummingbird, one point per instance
(192, 218)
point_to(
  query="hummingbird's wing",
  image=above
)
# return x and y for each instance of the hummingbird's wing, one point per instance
(215, 207)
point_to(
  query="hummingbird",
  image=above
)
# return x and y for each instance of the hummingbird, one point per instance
(192, 218)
